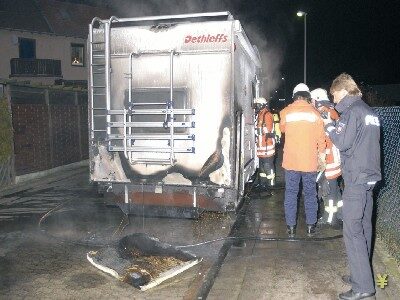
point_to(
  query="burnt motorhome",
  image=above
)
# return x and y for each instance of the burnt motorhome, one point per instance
(171, 111)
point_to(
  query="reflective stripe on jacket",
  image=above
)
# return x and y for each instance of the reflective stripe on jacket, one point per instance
(265, 125)
(333, 169)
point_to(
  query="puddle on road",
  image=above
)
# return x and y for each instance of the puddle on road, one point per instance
(94, 222)
(210, 223)
(98, 223)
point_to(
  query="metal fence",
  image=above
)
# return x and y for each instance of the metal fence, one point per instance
(35, 67)
(388, 200)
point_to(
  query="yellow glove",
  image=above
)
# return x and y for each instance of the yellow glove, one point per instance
(278, 133)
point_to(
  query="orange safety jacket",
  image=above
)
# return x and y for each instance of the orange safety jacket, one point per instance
(333, 169)
(304, 136)
(265, 125)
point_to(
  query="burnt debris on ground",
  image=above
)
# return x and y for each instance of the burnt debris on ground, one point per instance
(141, 260)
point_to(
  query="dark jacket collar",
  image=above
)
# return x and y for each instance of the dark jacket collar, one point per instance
(346, 102)
(325, 103)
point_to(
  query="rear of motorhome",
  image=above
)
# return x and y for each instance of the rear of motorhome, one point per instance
(171, 112)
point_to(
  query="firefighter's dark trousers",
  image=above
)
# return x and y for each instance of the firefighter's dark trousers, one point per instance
(292, 184)
(357, 233)
(334, 190)
(331, 200)
(266, 169)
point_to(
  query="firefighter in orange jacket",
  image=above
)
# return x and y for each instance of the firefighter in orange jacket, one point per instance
(265, 143)
(304, 148)
(332, 207)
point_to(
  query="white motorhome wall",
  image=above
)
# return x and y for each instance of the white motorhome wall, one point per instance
(203, 72)
(214, 78)
(245, 69)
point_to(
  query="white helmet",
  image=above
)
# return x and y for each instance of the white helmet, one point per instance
(319, 95)
(260, 100)
(301, 90)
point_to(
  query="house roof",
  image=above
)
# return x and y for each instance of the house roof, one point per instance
(22, 14)
(70, 19)
(50, 16)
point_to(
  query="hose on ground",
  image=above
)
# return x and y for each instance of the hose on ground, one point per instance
(231, 238)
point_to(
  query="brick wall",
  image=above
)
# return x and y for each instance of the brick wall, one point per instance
(65, 135)
(50, 128)
(31, 142)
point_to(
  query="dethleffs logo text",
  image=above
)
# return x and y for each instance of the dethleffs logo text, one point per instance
(219, 38)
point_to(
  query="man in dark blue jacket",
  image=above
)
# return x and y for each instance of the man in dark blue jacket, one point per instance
(356, 134)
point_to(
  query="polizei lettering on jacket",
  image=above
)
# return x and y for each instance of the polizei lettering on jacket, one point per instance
(371, 120)
(219, 38)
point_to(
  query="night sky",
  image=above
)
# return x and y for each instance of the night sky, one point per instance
(360, 37)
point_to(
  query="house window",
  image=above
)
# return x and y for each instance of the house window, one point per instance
(27, 48)
(77, 57)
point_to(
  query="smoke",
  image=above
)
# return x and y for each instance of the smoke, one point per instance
(271, 58)
(136, 8)
(264, 23)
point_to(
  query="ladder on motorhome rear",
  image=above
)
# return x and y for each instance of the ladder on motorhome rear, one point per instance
(99, 78)
(160, 154)
(123, 120)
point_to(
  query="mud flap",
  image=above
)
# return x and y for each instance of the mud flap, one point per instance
(142, 261)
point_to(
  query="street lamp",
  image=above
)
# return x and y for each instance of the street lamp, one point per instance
(300, 14)
(284, 87)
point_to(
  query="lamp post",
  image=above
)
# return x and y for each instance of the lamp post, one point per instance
(284, 88)
(300, 14)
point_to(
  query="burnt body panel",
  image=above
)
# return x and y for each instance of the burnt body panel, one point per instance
(174, 112)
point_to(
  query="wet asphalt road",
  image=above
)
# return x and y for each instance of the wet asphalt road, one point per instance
(50, 262)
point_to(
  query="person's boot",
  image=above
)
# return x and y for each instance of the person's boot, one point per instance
(321, 210)
(310, 230)
(291, 231)
(352, 295)
(263, 189)
(337, 224)
(257, 181)
(346, 279)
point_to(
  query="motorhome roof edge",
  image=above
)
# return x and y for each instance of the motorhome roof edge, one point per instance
(248, 47)
(169, 17)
